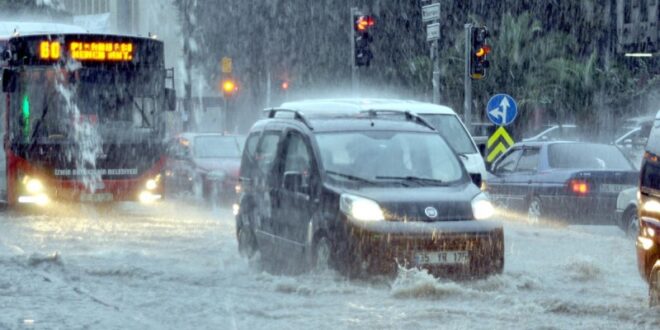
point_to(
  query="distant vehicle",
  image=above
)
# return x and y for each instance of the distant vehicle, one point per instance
(83, 115)
(648, 240)
(362, 192)
(626, 209)
(204, 164)
(566, 181)
(443, 118)
(633, 141)
(565, 132)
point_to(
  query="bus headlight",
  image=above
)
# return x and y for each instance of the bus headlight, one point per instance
(360, 208)
(482, 208)
(151, 184)
(34, 186)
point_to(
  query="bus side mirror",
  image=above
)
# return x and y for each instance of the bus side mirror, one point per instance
(8, 80)
(170, 99)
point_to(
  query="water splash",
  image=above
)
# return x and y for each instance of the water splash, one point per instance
(87, 142)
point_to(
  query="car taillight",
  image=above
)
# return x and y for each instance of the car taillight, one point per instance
(579, 187)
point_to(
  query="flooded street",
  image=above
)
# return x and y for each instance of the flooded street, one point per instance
(178, 267)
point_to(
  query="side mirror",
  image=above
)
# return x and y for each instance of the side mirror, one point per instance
(476, 179)
(8, 80)
(170, 99)
(293, 181)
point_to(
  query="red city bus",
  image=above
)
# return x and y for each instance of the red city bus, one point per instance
(83, 118)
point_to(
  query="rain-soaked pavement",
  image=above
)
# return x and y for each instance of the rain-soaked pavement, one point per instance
(177, 267)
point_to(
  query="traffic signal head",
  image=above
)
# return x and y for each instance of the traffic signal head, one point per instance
(362, 25)
(228, 87)
(479, 50)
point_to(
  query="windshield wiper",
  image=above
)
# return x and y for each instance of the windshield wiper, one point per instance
(412, 179)
(348, 176)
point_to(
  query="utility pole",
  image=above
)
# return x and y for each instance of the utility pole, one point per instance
(467, 101)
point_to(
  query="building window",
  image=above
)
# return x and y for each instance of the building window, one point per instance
(643, 11)
(627, 11)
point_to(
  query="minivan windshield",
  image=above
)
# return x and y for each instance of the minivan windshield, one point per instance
(450, 127)
(387, 155)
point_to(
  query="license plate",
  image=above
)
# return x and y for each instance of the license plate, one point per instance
(96, 198)
(442, 257)
(614, 188)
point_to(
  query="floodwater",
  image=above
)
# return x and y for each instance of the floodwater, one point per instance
(176, 266)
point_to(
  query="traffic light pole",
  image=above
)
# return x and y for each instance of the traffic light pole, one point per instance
(354, 74)
(467, 101)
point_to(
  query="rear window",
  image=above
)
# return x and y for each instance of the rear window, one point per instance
(450, 127)
(587, 156)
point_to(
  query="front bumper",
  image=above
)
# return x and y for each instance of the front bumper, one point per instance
(384, 246)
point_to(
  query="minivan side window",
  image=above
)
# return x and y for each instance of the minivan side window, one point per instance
(249, 152)
(267, 151)
(298, 158)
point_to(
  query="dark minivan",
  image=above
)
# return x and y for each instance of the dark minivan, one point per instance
(648, 239)
(362, 193)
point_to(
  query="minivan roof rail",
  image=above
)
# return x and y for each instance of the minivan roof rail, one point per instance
(410, 116)
(297, 115)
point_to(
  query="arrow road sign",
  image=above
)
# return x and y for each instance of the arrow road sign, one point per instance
(498, 143)
(502, 109)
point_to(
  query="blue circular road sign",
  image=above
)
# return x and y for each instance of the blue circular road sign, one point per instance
(502, 109)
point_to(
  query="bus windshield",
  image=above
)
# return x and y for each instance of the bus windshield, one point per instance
(50, 101)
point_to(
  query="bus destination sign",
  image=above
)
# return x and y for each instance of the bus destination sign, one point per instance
(99, 51)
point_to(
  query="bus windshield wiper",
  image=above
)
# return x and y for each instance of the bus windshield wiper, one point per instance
(411, 178)
(348, 176)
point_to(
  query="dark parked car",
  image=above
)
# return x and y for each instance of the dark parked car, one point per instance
(570, 182)
(362, 193)
(205, 164)
(648, 240)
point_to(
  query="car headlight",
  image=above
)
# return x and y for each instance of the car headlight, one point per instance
(360, 208)
(482, 208)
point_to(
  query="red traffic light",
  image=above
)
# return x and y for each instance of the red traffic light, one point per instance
(364, 22)
(285, 85)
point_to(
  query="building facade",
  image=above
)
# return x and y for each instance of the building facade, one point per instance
(637, 26)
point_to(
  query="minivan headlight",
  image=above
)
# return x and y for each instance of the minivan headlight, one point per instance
(482, 208)
(360, 208)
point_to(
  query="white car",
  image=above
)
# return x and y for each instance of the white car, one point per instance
(567, 132)
(443, 118)
(626, 209)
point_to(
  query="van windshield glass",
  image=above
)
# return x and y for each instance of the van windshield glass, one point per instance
(374, 155)
(453, 131)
